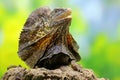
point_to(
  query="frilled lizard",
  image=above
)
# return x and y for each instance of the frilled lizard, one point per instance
(45, 40)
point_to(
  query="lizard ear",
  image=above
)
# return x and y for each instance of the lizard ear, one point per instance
(37, 15)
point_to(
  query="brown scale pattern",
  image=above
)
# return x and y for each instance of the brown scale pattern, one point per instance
(45, 40)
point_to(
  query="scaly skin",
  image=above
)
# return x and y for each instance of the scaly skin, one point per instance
(45, 40)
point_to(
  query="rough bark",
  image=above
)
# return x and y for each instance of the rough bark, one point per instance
(62, 73)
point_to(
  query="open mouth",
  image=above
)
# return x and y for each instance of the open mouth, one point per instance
(64, 15)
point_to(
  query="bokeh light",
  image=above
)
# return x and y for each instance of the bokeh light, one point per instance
(95, 26)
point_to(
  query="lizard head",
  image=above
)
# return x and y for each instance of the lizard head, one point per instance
(60, 17)
(45, 17)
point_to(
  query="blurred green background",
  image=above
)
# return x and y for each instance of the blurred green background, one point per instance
(95, 26)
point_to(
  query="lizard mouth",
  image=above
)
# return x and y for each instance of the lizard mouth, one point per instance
(64, 15)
